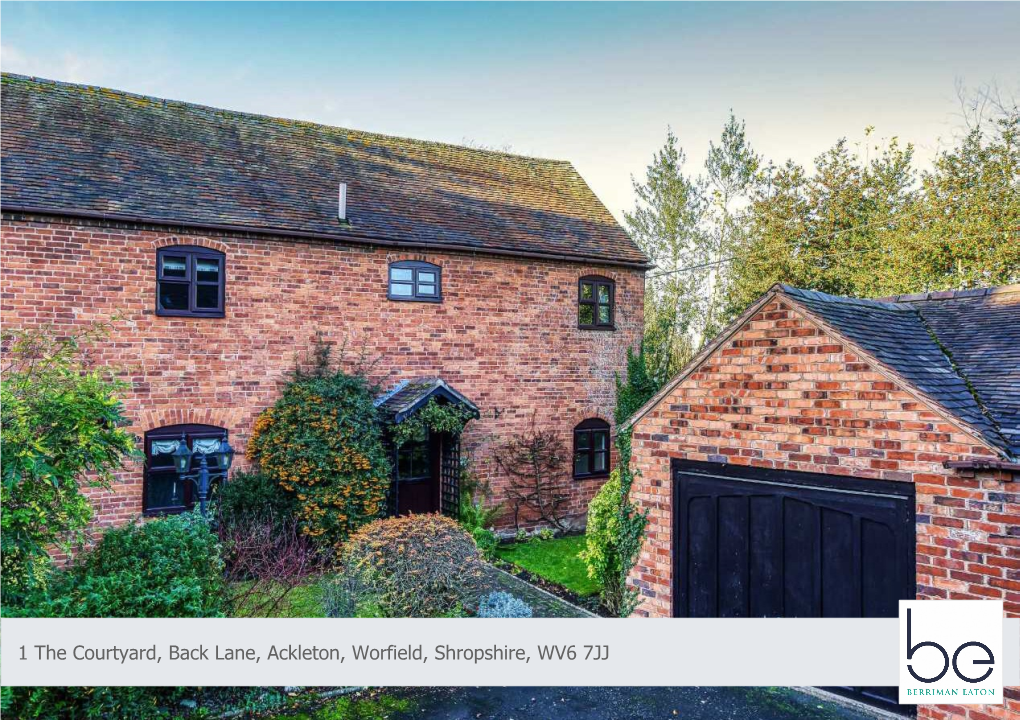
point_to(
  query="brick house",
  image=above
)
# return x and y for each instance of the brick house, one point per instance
(219, 243)
(887, 431)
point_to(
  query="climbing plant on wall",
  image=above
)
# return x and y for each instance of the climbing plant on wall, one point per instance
(434, 417)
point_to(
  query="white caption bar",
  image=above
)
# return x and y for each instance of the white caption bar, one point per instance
(541, 652)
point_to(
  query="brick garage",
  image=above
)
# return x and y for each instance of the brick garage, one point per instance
(87, 210)
(920, 390)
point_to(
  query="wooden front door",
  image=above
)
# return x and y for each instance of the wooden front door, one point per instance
(416, 486)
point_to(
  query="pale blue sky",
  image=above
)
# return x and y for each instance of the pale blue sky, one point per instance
(595, 84)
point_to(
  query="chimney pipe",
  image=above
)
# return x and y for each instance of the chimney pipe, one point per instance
(342, 208)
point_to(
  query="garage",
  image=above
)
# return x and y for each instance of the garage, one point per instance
(827, 457)
(768, 543)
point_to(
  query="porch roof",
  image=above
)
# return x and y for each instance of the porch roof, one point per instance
(410, 395)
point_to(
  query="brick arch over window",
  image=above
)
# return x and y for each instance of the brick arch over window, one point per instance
(154, 418)
(204, 242)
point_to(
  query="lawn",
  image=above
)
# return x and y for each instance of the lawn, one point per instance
(555, 560)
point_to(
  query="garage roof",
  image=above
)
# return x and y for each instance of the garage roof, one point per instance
(960, 350)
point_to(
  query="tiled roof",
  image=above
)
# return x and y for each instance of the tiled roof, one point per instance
(81, 149)
(410, 395)
(980, 329)
(962, 349)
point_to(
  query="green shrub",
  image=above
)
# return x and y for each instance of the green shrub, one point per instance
(487, 542)
(322, 442)
(413, 566)
(476, 508)
(91, 703)
(169, 567)
(615, 533)
(254, 496)
(62, 427)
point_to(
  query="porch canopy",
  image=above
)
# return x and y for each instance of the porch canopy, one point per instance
(409, 396)
(426, 473)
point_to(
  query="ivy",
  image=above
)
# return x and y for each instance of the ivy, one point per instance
(434, 417)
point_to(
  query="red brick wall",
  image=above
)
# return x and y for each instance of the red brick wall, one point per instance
(782, 393)
(505, 334)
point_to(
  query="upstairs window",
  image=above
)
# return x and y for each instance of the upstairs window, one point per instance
(591, 448)
(190, 282)
(164, 491)
(596, 297)
(415, 281)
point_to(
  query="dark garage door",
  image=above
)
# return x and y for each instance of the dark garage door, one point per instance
(767, 543)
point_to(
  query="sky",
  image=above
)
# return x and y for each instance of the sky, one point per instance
(596, 84)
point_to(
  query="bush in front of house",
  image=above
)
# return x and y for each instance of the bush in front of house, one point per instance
(165, 568)
(503, 605)
(614, 535)
(254, 497)
(487, 542)
(322, 443)
(412, 566)
(62, 428)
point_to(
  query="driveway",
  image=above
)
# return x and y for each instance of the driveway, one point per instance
(608, 703)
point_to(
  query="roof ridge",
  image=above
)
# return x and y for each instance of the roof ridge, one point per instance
(844, 299)
(277, 118)
(953, 294)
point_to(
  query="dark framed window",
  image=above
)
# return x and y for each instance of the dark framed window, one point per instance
(163, 491)
(415, 281)
(414, 461)
(596, 303)
(591, 448)
(190, 281)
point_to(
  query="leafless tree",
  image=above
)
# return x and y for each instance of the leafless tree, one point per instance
(534, 462)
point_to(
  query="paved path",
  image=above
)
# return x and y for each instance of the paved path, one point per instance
(606, 703)
(542, 603)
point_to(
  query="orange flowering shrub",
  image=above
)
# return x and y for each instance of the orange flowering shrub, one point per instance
(411, 566)
(323, 444)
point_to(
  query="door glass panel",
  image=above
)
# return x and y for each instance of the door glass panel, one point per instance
(207, 296)
(406, 274)
(176, 267)
(173, 296)
(207, 270)
(586, 316)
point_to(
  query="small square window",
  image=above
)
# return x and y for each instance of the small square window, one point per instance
(415, 280)
(190, 282)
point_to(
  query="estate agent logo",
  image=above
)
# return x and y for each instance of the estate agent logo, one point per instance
(950, 652)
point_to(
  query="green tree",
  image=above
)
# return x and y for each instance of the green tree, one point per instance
(666, 223)
(62, 429)
(732, 168)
